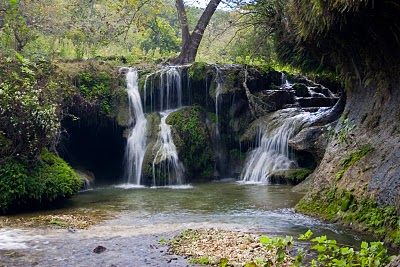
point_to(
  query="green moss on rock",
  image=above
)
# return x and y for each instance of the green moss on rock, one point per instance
(23, 185)
(192, 140)
(352, 159)
(294, 177)
(363, 214)
(198, 71)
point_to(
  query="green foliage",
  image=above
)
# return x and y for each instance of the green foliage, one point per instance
(297, 176)
(30, 99)
(281, 246)
(160, 35)
(162, 241)
(95, 87)
(329, 252)
(351, 159)
(201, 260)
(343, 134)
(23, 183)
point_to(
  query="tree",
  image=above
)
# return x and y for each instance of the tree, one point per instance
(191, 41)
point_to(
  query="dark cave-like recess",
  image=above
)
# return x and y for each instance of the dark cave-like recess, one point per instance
(95, 145)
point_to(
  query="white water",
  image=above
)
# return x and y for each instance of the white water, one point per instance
(284, 82)
(167, 168)
(272, 152)
(136, 143)
(170, 89)
(11, 239)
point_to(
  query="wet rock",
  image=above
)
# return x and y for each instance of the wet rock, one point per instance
(276, 99)
(99, 249)
(317, 101)
(294, 176)
(301, 90)
(312, 139)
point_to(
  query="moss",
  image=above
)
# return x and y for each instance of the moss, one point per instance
(198, 71)
(340, 205)
(352, 159)
(192, 140)
(291, 176)
(23, 186)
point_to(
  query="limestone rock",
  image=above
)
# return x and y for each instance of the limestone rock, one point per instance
(312, 139)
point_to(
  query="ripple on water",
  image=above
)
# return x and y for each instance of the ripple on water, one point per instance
(11, 239)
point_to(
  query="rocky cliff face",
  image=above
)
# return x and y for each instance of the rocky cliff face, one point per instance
(358, 178)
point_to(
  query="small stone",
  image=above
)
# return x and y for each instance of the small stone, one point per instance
(99, 249)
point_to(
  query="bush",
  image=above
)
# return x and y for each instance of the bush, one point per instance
(23, 186)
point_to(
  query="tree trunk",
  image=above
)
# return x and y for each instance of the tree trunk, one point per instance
(191, 42)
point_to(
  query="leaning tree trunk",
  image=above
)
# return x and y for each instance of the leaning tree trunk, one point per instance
(191, 42)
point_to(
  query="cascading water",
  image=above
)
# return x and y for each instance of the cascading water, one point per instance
(218, 91)
(136, 143)
(272, 152)
(167, 168)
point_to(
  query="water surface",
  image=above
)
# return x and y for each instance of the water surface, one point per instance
(144, 215)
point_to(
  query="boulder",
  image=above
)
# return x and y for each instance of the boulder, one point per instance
(313, 140)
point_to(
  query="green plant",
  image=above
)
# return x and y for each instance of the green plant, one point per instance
(162, 241)
(96, 87)
(343, 134)
(281, 246)
(30, 106)
(24, 184)
(201, 260)
(372, 254)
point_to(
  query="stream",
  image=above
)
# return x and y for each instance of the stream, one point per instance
(142, 216)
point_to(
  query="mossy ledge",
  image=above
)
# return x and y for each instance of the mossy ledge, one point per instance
(362, 214)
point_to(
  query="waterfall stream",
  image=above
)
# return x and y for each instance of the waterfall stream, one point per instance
(272, 152)
(136, 142)
(170, 170)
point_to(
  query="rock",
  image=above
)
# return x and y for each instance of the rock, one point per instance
(87, 178)
(318, 101)
(99, 249)
(301, 90)
(294, 176)
(313, 140)
(276, 99)
(394, 263)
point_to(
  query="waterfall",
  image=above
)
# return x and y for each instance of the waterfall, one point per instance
(169, 93)
(167, 168)
(136, 143)
(284, 82)
(218, 91)
(272, 152)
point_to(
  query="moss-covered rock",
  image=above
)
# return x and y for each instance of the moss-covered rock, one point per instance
(193, 141)
(294, 176)
(23, 186)
(360, 213)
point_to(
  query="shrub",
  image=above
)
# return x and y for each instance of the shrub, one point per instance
(24, 184)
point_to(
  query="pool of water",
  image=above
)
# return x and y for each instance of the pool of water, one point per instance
(143, 215)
